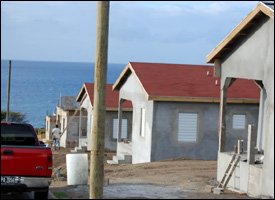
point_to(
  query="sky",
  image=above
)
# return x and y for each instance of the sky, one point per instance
(181, 32)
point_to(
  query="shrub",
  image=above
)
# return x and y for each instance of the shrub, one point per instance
(14, 117)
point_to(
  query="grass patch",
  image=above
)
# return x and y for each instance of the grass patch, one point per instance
(60, 195)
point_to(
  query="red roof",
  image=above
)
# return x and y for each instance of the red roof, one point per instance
(181, 80)
(111, 96)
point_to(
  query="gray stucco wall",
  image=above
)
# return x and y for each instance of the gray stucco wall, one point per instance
(254, 59)
(232, 135)
(72, 129)
(165, 129)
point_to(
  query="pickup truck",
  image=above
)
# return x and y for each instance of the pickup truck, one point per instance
(25, 164)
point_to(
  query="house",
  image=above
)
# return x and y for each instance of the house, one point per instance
(67, 118)
(248, 53)
(85, 99)
(176, 110)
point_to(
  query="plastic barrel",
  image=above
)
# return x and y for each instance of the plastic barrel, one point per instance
(77, 169)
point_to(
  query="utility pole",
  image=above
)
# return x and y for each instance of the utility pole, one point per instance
(97, 151)
(8, 97)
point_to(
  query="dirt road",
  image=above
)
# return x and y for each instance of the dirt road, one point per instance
(176, 179)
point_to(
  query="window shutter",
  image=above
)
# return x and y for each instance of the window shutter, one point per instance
(187, 127)
(123, 128)
(238, 121)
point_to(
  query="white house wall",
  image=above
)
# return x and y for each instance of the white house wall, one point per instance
(254, 59)
(50, 124)
(70, 135)
(141, 146)
(63, 118)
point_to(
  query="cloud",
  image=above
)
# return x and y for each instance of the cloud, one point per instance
(61, 28)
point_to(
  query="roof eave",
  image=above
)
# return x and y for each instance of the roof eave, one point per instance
(122, 77)
(261, 7)
(116, 109)
(203, 99)
(81, 93)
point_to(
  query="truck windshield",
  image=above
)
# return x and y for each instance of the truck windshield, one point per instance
(17, 134)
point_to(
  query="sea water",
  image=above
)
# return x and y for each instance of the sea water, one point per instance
(36, 86)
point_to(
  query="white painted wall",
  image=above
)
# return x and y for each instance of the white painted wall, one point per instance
(141, 146)
(254, 59)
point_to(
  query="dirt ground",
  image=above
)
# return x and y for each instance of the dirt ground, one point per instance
(175, 179)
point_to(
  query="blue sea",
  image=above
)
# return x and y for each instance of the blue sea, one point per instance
(37, 86)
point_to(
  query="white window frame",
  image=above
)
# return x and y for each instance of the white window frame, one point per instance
(236, 123)
(187, 127)
(91, 124)
(124, 128)
(142, 122)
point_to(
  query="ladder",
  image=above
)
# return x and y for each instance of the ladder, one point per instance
(229, 171)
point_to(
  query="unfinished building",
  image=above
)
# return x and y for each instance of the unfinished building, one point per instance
(248, 53)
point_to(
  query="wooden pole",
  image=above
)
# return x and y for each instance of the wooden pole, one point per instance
(97, 150)
(8, 97)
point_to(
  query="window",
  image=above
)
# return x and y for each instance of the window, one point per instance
(238, 121)
(142, 123)
(123, 128)
(187, 127)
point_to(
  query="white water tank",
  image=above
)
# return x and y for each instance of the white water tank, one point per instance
(77, 169)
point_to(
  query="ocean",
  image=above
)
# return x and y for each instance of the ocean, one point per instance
(37, 86)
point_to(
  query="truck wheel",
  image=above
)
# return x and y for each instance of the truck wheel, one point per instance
(41, 195)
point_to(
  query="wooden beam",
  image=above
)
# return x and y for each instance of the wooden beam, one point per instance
(217, 68)
(8, 96)
(203, 99)
(98, 132)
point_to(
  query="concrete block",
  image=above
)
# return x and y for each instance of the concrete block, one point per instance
(127, 158)
(208, 188)
(112, 162)
(106, 181)
(117, 158)
(218, 190)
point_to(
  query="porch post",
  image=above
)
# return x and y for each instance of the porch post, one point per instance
(222, 123)
(223, 107)
(80, 126)
(119, 119)
(251, 144)
(260, 134)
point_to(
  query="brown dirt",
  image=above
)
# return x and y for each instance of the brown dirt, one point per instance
(178, 178)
